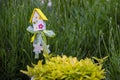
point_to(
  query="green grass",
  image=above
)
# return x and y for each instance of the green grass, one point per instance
(84, 28)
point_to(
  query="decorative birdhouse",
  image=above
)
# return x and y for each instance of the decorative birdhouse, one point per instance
(37, 19)
(38, 28)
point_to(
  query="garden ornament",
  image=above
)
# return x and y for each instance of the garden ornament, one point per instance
(38, 29)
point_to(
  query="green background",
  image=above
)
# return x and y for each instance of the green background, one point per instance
(84, 28)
